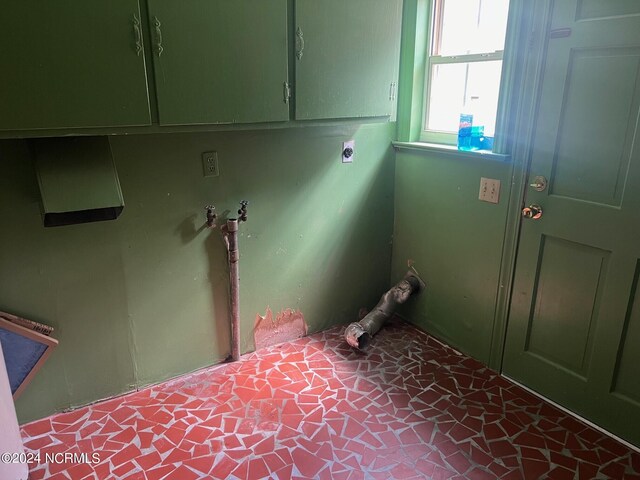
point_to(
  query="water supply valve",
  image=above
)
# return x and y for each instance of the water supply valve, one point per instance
(211, 216)
(243, 211)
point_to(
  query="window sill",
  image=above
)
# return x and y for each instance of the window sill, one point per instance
(450, 150)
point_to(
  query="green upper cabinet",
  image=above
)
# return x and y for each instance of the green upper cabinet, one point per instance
(77, 64)
(72, 64)
(220, 61)
(346, 58)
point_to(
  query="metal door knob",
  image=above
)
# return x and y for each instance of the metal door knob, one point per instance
(532, 211)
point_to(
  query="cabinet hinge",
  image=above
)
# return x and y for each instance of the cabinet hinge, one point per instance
(286, 92)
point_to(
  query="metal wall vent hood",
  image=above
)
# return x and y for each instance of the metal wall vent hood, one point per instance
(78, 180)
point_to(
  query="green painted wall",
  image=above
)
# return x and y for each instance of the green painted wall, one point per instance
(144, 298)
(455, 242)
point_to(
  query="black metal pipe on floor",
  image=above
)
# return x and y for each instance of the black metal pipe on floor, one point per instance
(359, 334)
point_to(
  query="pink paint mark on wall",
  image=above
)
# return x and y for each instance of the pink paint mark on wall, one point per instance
(288, 325)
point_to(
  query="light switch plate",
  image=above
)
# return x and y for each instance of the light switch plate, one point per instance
(489, 190)
(349, 158)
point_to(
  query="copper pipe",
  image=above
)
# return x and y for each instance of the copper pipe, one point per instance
(230, 232)
(231, 238)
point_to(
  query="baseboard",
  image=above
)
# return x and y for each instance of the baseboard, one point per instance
(575, 415)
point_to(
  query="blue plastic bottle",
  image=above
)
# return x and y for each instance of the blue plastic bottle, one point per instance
(464, 131)
(477, 137)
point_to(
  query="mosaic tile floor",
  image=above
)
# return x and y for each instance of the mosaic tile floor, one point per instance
(410, 408)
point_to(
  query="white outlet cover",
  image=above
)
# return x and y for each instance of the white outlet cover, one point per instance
(210, 164)
(352, 145)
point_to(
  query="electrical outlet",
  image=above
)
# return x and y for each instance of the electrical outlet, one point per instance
(489, 190)
(210, 164)
(348, 151)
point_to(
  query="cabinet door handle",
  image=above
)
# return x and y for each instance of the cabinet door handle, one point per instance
(286, 92)
(157, 25)
(138, 34)
(299, 43)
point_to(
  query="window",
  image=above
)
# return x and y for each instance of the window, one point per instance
(464, 66)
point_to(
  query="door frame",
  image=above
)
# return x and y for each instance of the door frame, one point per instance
(528, 29)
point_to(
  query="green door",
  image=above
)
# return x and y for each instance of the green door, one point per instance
(574, 327)
(347, 54)
(220, 61)
(71, 64)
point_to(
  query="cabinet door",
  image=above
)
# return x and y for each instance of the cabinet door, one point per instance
(347, 55)
(220, 61)
(72, 63)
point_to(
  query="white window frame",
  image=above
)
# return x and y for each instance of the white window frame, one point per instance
(433, 58)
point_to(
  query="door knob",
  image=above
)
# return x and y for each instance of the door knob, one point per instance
(532, 211)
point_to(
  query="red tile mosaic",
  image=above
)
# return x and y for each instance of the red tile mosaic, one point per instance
(314, 408)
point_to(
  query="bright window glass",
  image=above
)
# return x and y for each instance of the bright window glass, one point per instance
(471, 26)
(464, 87)
(465, 64)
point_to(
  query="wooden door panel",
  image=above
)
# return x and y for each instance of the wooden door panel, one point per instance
(222, 61)
(567, 290)
(591, 9)
(626, 379)
(595, 134)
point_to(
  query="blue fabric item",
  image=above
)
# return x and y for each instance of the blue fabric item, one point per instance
(20, 355)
